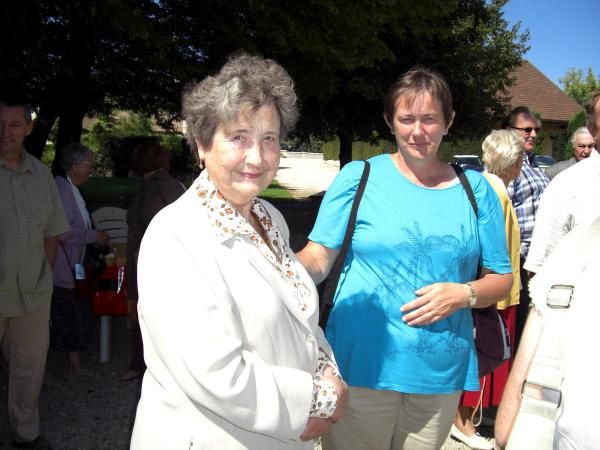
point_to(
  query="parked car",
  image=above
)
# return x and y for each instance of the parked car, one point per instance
(469, 162)
(544, 161)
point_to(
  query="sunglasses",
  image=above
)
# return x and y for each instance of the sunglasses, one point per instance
(527, 130)
(590, 146)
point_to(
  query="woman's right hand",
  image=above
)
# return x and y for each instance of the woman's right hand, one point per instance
(316, 427)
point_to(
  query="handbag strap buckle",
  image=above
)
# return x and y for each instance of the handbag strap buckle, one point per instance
(560, 296)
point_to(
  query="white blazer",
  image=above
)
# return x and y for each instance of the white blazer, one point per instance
(230, 355)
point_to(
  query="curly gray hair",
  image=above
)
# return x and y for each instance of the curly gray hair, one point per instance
(243, 82)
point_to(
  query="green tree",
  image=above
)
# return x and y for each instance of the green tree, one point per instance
(90, 56)
(578, 87)
(343, 54)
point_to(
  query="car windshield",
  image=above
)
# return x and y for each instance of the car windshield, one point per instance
(545, 159)
(471, 160)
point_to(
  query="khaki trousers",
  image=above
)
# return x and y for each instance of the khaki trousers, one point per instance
(25, 342)
(386, 420)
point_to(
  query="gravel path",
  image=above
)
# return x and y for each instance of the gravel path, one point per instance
(305, 176)
(96, 414)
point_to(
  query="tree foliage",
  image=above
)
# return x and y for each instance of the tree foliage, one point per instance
(91, 56)
(578, 87)
(88, 57)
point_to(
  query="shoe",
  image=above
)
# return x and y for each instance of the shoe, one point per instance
(475, 442)
(131, 375)
(39, 443)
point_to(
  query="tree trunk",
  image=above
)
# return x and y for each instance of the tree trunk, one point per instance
(69, 130)
(345, 137)
(44, 121)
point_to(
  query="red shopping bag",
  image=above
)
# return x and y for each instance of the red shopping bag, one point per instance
(110, 298)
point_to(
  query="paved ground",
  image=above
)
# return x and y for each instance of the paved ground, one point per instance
(305, 176)
(99, 413)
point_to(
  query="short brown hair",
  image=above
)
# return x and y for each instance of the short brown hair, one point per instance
(149, 156)
(510, 120)
(414, 82)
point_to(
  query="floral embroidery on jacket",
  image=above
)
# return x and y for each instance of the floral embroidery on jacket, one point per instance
(227, 222)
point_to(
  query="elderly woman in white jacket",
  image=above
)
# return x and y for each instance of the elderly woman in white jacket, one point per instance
(228, 315)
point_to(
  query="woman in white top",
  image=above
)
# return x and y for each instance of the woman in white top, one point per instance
(235, 358)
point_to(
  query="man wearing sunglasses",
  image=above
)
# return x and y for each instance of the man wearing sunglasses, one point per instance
(525, 193)
(583, 144)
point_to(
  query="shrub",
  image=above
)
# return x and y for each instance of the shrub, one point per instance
(113, 138)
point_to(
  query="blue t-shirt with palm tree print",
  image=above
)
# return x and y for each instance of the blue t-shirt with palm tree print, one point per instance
(407, 237)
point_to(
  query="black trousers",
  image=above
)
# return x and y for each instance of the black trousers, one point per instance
(523, 307)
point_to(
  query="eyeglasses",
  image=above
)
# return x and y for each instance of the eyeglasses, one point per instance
(590, 146)
(527, 130)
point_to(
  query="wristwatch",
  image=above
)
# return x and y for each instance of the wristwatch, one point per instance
(472, 294)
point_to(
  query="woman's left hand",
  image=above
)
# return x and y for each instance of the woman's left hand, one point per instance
(435, 302)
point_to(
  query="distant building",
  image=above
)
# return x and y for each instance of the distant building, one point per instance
(532, 88)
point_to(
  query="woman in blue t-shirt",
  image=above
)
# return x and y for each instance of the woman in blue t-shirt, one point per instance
(401, 328)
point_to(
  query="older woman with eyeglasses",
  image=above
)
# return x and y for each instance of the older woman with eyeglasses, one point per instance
(229, 317)
(70, 315)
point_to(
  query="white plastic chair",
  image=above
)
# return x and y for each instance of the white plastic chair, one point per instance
(112, 221)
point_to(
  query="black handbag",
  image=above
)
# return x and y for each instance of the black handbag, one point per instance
(492, 341)
(331, 282)
(93, 266)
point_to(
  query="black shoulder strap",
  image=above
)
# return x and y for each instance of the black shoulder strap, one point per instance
(336, 270)
(460, 173)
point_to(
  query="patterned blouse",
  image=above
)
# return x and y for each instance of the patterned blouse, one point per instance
(227, 222)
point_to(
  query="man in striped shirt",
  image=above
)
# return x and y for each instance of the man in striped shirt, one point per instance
(525, 192)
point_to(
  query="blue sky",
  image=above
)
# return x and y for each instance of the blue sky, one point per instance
(563, 34)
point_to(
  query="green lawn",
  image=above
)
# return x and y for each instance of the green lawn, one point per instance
(101, 191)
(275, 191)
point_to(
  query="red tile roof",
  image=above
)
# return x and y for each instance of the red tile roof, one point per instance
(533, 89)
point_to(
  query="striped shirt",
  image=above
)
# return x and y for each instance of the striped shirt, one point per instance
(30, 211)
(525, 192)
